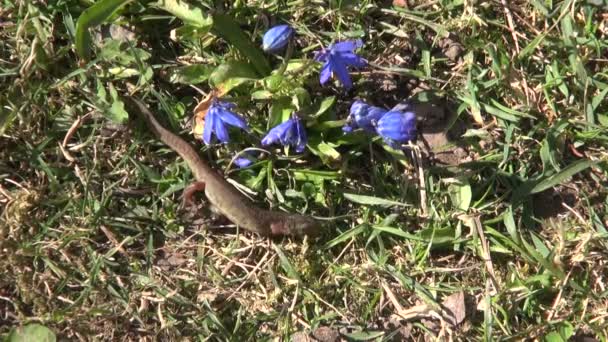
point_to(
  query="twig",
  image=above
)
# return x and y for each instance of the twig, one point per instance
(558, 297)
(485, 249)
(418, 163)
(250, 274)
(510, 22)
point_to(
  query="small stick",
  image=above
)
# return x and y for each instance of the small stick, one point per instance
(485, 249)
(418, 162)
(510, 22)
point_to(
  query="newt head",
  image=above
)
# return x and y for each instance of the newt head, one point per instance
(294, 225)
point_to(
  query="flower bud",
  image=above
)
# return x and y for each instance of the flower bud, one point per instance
(277, 38)
(398, 126)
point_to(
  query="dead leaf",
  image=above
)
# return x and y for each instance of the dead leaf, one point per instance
(400, 3)
(326, 334)
(200, 111)
(454, 308)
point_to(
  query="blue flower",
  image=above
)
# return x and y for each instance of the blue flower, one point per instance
(218, 116)
(242, 162)
(337, 58)
(397, 127)
(291, 132)
(247, 158)
(277, 38)
(363, 116)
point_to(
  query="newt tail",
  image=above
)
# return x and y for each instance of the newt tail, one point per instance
(222, 195)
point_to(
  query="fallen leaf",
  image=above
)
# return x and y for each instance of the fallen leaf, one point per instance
(200, 111)
(454, 308)
(326, 334)
(400, 3)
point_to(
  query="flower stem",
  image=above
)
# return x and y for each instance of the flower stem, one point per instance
(287, 57)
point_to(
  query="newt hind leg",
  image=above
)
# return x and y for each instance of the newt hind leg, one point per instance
(189, 192)
(188, 202)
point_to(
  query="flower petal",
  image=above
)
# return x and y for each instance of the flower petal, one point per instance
(325, 73)
(243, 162)
(221, 132)
(233, 119)
(352, 59)
(369, 121)
(347, 45)
(210, 119)
(397, 126)
(357, 108)
(291, 135)
(277, 133)
(321, 55)
(340, 71)
(222, 105)
(347, 128)
(302, 137)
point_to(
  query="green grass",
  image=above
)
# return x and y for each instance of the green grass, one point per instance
(93, 244)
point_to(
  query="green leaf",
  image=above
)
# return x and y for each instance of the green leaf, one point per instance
(370, 200)
(231, 74)
(534, 186)
(315, 176)
(579, 68)
(280, 111)
(328, 151)
(461, 194)
(225, 27)
(531, 47)
(285, 264)
(256, 182)
(540, 7)
(191, 74)
(500, 113)
(548, 155)
(364, 335)
(603, 119)
(346, 235)
(554, 337)
(273, 82)
(301, 98)
(398, 232)
(91, 17)
(117, 112)
(324, 105)
(562, 176)
(562, 334)
(509, 222)
(438, 236)
(597, 100)
(261, 95)
(31, 332)
(190, 15)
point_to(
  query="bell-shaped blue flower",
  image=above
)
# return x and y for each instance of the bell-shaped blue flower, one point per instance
(289, 133)
(277, 38)
(363, 116)
(218, 116)
(337, 58)
(397, 127)
(244, 159)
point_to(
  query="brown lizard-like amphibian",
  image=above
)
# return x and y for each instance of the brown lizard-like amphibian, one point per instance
(223, 196)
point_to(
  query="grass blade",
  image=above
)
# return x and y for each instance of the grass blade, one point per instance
(371, 200)
(190, 15)
(562, 176)
(225, 27)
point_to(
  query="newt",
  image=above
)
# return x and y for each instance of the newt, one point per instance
(222, 196)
